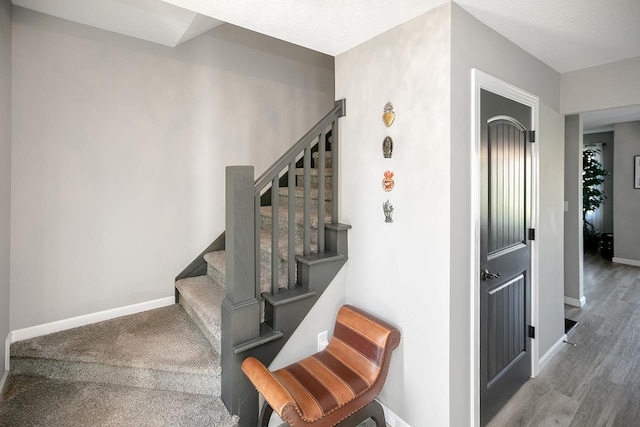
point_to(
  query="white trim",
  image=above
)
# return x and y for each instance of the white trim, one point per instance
(391, 418)
(74, 322)
(551, 353)
(626, 261)
(3, 381)
(7, 352)
(481, 80)
(575, 302)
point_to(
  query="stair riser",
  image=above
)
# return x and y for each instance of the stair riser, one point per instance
(265, 275)
(314, 181)
(283, 228)
(117, 375)
(299, 203)
(214, 339)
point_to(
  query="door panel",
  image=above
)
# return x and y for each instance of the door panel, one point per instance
(505, 255)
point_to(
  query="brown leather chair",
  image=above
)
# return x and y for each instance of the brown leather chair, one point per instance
(336, 386)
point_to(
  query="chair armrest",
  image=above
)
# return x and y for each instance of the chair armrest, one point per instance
(273, 392)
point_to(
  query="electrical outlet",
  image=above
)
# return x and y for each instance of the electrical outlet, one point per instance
(322, 340)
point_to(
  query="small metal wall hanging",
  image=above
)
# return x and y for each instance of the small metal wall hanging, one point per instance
(388, 116)
(387, 147)
(387, 182)
(387, 208)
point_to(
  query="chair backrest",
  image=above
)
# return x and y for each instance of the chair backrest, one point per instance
(364, 344)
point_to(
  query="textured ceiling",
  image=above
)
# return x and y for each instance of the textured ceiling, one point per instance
(151, 20)
(565, 34)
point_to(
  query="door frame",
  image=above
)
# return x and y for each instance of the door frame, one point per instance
(481, 80)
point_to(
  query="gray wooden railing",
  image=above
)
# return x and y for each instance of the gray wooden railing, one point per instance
(270, 181)
(242, 332)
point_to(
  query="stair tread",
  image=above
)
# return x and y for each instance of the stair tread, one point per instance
(217, 260)
(299, 192)
(315, 172)
(204, 297)
(283, 214)
(283, 245)
(36, 400)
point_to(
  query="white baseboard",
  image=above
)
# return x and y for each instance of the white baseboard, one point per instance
(551, 353)
(575, 302)
(3, 380)
(392, 419)
(87, 319)
(626, 261)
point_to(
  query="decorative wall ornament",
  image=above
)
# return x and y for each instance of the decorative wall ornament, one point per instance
(387, 147)
(387, 208)
(388, 116)
(387, 182)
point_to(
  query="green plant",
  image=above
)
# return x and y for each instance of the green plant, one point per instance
(592, 197)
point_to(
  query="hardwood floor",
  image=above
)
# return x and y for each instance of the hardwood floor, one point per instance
(596, 383)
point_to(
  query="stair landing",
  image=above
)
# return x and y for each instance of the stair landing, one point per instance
(156, 358)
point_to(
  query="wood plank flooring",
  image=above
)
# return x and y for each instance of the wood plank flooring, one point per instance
(596, 383)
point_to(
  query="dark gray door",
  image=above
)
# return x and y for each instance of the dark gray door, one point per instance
(505, 256)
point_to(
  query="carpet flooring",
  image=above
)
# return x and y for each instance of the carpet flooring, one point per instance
(37, 401)
(154, 368)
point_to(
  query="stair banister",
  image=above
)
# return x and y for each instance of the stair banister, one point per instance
(270, 178)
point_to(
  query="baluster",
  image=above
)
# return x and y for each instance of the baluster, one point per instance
(321, 188)
(291, 246)
(257, 243)
(307, 201)
(334, 172)
(275, 232)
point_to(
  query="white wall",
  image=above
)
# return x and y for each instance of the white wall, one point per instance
(604, 86)
(476, 46)
(626, 198)
(119, 149)
(400, 270)
(5, 171)
(573, 222)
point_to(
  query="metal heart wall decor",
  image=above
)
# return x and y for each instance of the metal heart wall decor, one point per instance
(387, 147)
(387, 182)
(388, 116)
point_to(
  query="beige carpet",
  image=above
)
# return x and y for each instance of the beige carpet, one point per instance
(149, 369)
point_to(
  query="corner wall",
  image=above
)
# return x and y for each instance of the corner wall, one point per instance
(119, 149)
(5, 174)
(474, 45)
(626, 198)
(604, 86)
(399, 270)
(573, 222)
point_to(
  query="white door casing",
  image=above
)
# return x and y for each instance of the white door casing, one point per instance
(479, 81)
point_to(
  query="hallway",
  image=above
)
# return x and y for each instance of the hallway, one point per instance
(596, 383)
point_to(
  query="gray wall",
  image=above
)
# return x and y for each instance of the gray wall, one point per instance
(605, 138)
(400, 270)
(573, 237)
(5, 170)
(119, 149)
(626, 198)
(604, 86)
(475, 45)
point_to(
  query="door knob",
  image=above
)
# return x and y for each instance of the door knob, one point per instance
(486, 275)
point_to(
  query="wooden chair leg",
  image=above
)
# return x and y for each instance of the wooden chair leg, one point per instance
(372, 410)
(265, 415)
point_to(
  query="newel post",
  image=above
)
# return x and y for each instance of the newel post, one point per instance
(240, 308)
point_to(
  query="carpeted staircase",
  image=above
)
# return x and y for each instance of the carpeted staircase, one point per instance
(163, 367)
(160, 367)
(202, 296)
